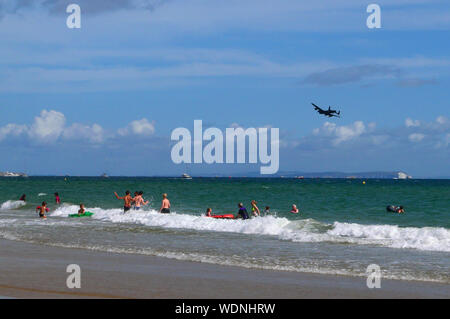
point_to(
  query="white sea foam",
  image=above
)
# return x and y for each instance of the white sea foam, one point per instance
(42, 194)
(308, 230)
(12, 204)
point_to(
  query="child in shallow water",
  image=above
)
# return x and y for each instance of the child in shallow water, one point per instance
(42, 210)
(57, 199)
(82, 210)
(294, 209)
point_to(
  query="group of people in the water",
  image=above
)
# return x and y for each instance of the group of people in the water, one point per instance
(243, 213)
(137, 201)
(43, 208)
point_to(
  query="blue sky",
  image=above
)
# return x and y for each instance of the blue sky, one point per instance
(107, 96)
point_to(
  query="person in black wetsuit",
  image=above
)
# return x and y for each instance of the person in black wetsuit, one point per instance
(242, 213)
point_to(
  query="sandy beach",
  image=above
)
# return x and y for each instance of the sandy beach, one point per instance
(33, 271)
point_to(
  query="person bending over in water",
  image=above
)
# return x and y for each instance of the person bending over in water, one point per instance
(23, 197)
(42, 210)
(82, 210)
(139, 200)
(208, 212)
(242, 213)
(294, 209)
(255, 209)
(57, 199)
(127, 199)
(165, 205)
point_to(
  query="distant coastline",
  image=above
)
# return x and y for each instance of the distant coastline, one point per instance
(286, 174)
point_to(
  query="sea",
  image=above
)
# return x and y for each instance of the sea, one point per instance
(342, 228)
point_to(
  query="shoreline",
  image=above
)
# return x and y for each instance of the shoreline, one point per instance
(34, 271)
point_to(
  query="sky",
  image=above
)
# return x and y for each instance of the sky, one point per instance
(105, 98)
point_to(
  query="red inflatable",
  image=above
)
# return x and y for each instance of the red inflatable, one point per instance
(225, 216)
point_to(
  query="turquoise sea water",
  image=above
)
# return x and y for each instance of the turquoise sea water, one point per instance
(343, 226)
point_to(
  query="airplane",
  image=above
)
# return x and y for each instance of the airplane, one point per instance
(329, 112)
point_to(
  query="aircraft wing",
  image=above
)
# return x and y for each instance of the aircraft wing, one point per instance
(316, 107)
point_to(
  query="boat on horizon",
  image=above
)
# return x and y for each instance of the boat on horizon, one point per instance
(186, 176)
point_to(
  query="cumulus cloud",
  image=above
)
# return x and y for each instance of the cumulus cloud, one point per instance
(338, 134)
(12, 130)
(139, 127)
(411, 123)
(416, 137)
(77, 131)
(48, 126)
(361, 136)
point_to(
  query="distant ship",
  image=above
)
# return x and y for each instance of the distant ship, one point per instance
(11, 174)
(104, 175)
(186, 176)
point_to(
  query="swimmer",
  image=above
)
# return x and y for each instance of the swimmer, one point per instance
(57, 199)
(127, 199)
(139, 200)
(82, 210)
(208, 212)
(267, 211)
(42, 210)
(395, 209)
(23, 197)
(255, 209)
(294, 209)
(165, 205)
(242, 213)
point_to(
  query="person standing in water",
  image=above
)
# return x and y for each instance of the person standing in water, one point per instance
(127, 200)
(57, 199)
(165, 205)
(255, 209)
(42, 210)
(242, 213)
(139, 200)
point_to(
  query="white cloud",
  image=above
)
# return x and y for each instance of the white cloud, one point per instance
(12, 129)
(411, 123)
(76, 131)
(442, 120)
(340, 134)
(416, 137)
(48, 126)
(139, 127)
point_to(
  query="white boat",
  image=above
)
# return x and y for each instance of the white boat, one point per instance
(186, 176)
(11, 174)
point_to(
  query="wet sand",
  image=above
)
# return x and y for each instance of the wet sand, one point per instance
(33, 271)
